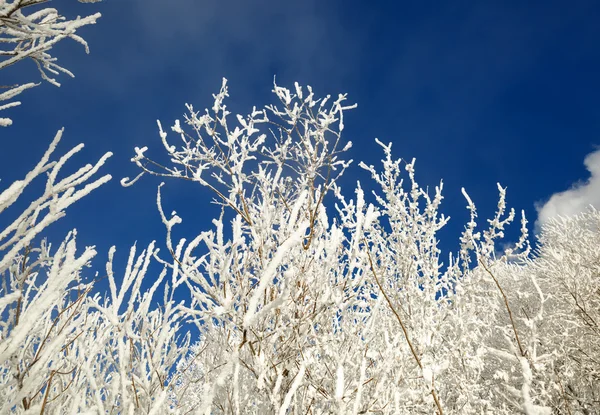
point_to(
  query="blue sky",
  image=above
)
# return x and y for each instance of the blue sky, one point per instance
(477, 92)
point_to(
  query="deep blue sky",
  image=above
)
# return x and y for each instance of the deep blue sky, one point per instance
(477, 92)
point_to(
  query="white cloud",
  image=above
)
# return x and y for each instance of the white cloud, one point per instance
(578, 198)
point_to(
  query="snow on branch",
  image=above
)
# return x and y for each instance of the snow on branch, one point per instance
(30, 33)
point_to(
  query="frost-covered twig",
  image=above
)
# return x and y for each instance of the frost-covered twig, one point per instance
(27, 34)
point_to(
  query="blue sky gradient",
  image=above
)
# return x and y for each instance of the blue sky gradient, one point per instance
(477, 92)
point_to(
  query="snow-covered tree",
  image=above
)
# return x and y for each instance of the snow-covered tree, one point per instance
(41, 288)
(309, 302)
(567, 267)
(307, 298)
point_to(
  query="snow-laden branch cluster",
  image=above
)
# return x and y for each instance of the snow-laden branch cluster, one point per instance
(64, 348)
(305, 300)
(27, 32)
(309, 302)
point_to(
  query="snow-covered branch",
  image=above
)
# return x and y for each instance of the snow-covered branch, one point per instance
(30, 33)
